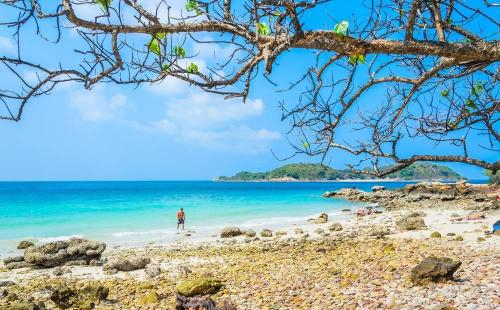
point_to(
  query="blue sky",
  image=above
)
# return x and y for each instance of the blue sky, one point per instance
(160, 132)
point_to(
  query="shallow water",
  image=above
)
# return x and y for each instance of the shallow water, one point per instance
(135, 213)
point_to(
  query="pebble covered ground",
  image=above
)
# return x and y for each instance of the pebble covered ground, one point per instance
(329, 272)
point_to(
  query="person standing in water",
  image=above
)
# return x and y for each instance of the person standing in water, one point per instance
(180, 218)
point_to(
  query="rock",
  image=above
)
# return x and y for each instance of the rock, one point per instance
(445, 307)
(199, 287)
(434, 269)
(266, 233)
(322, 219)
(480, 239)
(60, 252)
(298, 231)
(59, 271)
(15, 259)
(6, 283)
(451, 234)
(346, 210)
(458, 238)
(126, 263)
(3, 292)
(229, 232)
(320, 231)
(436, 235)
(335, 227)
(21, 305)
(78, 263)
(410, 223)
(379, 231)
(85, 298)
(281, 233)
(23, 245)
(153, 271)
(250, 233)
(17, 265)
(378, 188)
(150, 298)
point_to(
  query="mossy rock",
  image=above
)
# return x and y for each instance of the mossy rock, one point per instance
(150, 298)
(199, 286)
(436, 235)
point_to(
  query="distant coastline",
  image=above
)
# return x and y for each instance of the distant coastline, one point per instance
(338, 181)
(305, 172)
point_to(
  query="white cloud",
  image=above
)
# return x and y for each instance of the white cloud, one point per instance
(207, 119)
(95, 106)
(7, 45)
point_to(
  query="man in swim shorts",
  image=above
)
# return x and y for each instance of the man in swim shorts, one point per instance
(180, 218)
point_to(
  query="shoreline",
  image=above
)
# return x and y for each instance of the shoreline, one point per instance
(353, 246)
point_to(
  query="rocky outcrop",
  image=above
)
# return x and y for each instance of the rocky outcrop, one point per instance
(126, 264)
(229, 232)
(434, 269)
(378, 188)
(199, 287)
(61, 252)
(427, 195)
(23, 245)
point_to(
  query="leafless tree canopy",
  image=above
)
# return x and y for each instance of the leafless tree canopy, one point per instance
(402, 70)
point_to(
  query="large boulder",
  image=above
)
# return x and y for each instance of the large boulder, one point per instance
(14, 259)
(61, 252)
(434, 269)
(126, 263)
(322, 219)
(23, 245)
(412, 222)
(199, 287)
(229, 232)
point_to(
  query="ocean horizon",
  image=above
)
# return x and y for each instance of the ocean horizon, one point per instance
(134, 213)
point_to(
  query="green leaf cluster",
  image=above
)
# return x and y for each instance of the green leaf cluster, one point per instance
(192, 68)
(341, 28)
(263, 29)
(192, 5)
(105, 4)
(356, 58)
(179, 51)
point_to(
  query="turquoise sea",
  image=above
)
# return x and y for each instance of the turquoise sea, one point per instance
(135, 213)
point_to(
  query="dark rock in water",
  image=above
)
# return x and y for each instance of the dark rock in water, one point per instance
(60, 252)
(200, 303)
(86, 298)
(229, 232)
(199, 286)
(14, 259)
(126, 263)
(3, 293)
(23, 245)
(434, 269)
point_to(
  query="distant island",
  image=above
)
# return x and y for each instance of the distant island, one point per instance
(317, 172)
